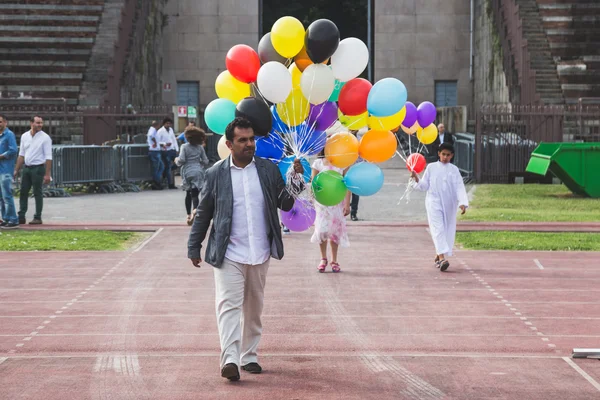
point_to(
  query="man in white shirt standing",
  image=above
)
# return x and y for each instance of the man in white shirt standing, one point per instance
(154, 154)
(170, 149)
(241, 196)
(35, 157)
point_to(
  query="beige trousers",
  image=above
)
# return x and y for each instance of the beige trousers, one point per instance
(239, 293)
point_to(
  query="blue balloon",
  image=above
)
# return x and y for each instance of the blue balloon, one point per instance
(387, 97)
(309, 142)
(286, 163)
(364, 179)
(271, 147)
(278, 124)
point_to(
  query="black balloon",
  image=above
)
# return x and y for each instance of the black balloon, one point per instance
(258, 113)
(321, 40)
(267, 52)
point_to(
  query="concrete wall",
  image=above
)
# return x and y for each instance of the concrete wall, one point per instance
(198, 35)
(421, 41)
(417, 41)
(490, 81)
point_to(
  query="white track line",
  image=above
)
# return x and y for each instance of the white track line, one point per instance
(582, 373)
(538, 263)
(148, 240)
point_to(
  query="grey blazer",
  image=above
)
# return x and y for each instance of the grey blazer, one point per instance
(216, 204)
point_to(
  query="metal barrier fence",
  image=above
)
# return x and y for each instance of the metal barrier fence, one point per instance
(73, 165)
(134, 164)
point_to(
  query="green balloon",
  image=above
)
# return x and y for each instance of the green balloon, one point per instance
(335, 95)
(329, 188)
(218, 114)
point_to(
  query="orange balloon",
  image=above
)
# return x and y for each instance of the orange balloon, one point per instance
(303, 61)
(377, 146)
(341, 149)
(412, 130)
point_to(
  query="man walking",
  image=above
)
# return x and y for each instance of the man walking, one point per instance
(154, 153)
(35, 155)
(170, 149)
(245, 234)
(8, 156)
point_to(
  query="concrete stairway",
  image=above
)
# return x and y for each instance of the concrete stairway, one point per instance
(45, 46)
(573, 32)
(547, 82)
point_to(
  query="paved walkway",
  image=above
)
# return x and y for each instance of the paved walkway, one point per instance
(168, 207)
(140, 324)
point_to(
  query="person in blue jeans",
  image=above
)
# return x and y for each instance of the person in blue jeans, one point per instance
(8, 157)
(155, 155)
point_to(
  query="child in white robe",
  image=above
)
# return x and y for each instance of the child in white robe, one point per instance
(445, 194)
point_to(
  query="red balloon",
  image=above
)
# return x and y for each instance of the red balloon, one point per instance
(243, 63)
(353, 96)
(416, 162)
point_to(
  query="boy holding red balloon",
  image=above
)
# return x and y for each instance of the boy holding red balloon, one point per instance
(445, 193)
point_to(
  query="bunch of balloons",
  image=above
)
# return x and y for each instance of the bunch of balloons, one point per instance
(297, 85)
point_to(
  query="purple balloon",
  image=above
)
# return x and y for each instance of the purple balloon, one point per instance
(322, 115)
(426, 114)
(411, 115)
(300, 217)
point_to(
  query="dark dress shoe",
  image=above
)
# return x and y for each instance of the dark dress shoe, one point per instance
(231, 372)
(253, 368)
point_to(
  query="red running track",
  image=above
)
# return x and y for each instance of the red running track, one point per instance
(141, 324)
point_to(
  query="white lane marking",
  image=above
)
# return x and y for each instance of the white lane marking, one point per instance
(148, 240)
(538, 263)
(2, 359)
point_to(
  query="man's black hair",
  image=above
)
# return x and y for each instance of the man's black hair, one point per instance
(238, 122)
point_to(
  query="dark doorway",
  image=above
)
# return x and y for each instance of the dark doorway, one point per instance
(352, 17)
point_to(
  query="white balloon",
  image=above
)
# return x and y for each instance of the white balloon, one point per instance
(274, 82)
(317, 83)
(222, 148)
(350, 59)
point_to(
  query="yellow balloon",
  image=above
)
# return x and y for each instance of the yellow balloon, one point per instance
(428, 134)
(287, 36)
(354, 122)
(295, 109)
(227, 87)
(387, 123)
(296, 75)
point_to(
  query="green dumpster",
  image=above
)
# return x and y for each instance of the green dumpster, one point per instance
(577, 165)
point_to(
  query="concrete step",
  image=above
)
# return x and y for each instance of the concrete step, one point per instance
(57, 2)
(45, 42)
(50, 20)
(49, 76)
(56, 91)
(36, 7)
(55, 28)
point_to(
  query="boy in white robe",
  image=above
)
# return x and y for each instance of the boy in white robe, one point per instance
(445, 194)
